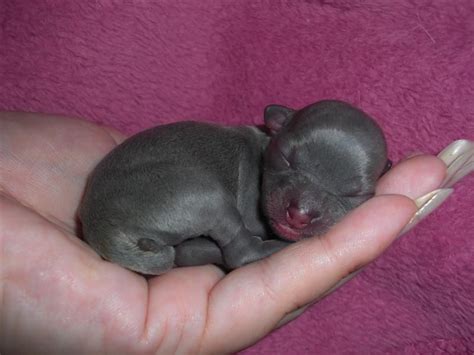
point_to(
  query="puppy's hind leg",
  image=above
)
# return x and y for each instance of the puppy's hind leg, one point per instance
(198, 251)
(141, 254)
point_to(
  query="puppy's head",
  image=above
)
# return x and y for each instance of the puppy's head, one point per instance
(322, 162)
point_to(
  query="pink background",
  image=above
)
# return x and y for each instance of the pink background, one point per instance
(134, 64)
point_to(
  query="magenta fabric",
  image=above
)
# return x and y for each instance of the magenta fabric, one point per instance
(133, 64)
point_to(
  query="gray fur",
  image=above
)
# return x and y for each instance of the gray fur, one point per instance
(193, 193)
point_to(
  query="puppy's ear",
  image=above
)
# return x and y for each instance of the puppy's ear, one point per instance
(275, 116)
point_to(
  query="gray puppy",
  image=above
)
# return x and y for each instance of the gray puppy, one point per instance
(193, 193)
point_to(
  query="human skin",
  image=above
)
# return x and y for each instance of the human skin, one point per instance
(58, 296)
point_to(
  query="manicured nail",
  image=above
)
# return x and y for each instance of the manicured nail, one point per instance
(427, 204)
(342, 282)
(292, 315)
(455, 149)
(461, 167)
(459, 159)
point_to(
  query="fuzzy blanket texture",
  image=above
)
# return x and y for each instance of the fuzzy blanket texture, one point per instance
(133, 64)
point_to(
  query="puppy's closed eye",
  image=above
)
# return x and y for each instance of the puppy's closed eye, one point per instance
(353, 188)
(359, 195)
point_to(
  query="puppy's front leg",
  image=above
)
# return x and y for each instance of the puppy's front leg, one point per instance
(247, 248)
(238, 245)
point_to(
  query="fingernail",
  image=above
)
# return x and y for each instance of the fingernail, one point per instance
(341, 282)
(459, 159)
(427, 204)
(458, 169)
(454, 150)
(467, 169)
(291, 316)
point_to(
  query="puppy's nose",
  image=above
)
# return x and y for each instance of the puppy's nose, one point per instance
(299, 218)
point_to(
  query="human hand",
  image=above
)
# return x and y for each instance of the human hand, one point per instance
(59, 296)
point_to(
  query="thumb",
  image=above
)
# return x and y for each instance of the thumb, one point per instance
(250, 302)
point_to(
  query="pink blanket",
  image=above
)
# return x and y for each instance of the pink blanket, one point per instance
(408, 63)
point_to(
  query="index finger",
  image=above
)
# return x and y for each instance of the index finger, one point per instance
(250, 301)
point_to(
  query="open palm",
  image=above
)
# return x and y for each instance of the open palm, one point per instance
(58, 295)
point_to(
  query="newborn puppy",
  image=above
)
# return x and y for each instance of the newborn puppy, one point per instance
(193, 193)
(322, 162)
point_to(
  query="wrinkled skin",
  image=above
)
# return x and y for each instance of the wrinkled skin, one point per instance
(58, 296)
(323, 161)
